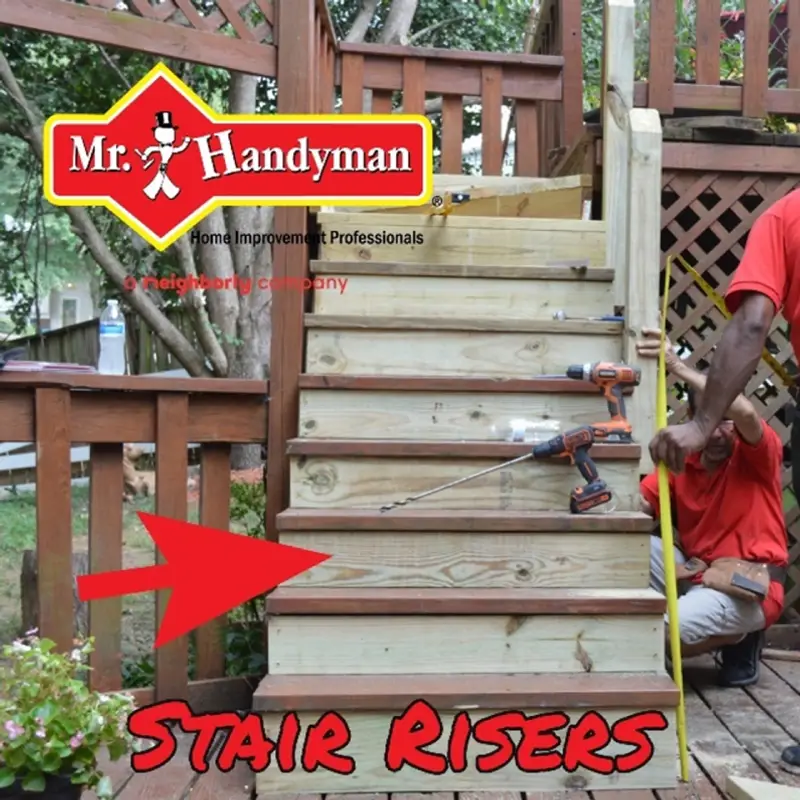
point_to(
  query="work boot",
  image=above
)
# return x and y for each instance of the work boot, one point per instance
(790, 759)
(741, 661)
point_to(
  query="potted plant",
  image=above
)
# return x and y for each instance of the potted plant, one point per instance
(52, 726)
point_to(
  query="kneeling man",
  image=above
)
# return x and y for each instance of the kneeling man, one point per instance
(730, 530)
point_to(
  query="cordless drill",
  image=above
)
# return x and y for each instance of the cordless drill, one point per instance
(611, 379)
(575, 444)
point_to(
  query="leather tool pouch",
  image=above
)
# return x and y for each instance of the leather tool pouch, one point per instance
(694, 566)
(744, 580)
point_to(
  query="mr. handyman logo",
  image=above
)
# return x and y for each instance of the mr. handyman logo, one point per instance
(161, 159)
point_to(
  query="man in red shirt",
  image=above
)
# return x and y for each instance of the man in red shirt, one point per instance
(728, 504)
(767, 281)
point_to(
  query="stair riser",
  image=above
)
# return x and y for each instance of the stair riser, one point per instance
(438, 298)
(443, 645)
(424, 560)
(474, 240)
(369, 733)
(368, 482)
(436, 416)
(453, 353)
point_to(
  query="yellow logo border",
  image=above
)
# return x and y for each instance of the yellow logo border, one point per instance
(161, 243)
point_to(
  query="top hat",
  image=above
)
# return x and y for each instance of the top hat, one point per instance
(164, 120)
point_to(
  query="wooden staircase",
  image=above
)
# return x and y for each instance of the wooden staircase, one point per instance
(490, 596)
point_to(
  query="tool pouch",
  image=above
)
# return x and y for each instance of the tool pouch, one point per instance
(694, 566)
(744, 580)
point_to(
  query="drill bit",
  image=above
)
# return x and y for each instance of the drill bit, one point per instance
(413, 498)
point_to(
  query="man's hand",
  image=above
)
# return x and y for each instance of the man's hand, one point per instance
(650, 347)
(673, 443)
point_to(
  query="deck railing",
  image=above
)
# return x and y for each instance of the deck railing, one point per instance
(58, 411)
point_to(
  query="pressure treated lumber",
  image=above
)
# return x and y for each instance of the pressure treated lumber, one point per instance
(463, 240)
(748, 789)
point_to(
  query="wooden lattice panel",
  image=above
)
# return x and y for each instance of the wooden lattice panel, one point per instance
(247, 20)
(706, 218)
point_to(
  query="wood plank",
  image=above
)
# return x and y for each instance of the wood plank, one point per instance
(215, 499)
(368, 742)
(172, 432)
(708, 41)
(436, 298)
(352, 84)
(477, 560)
(399, 644)
(554, 272)
(326, 482)
(757, 29)
(461, 240)
(465, 324)
(414, 85)
(661, 76)
(491, 120)
(165, 783)
(452, 353)
(435, 416)
(427, 521)
(391, 448)
(452, 133)
(54, 517)
(486, 602)
(747, 789)
(217, 785)
(699, 787)
(105, 555)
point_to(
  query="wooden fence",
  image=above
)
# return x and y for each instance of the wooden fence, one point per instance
(79, 344)
(58, 411)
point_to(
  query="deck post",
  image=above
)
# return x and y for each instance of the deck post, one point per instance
(644, 142)
(618, 58)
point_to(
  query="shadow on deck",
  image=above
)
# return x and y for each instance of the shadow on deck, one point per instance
(731, 732)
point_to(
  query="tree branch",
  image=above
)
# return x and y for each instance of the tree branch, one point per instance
(410, 40)
(96, 244)
(398, 21)
(358, 30)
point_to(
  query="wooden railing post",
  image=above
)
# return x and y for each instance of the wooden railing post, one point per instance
(617, 102)
(644, 254)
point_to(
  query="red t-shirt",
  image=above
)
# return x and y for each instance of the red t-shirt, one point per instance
(733, 512)
(771, 263)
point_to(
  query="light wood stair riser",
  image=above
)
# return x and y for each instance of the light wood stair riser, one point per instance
(462, 240)
(473, 559)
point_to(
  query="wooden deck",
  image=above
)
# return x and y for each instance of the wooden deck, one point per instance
(731, 732)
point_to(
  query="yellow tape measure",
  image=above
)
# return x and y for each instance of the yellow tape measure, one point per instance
(719, 302)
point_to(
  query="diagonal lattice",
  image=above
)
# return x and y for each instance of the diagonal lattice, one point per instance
(706, 218)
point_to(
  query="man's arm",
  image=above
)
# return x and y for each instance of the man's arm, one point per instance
(735, 359)
(741, 411)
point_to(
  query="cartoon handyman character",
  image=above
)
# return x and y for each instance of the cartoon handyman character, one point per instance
(164, 133)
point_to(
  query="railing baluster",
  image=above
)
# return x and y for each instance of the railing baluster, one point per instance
(526, 160)
(571, 48)
(413, 86)
(105, 555)
(492, 120)
(793, 47)
(757, 24)
(54, 516)
(382, 101)
(452, 134)
(172, 464)
(709, 31)
(215, 499)
(352, 84)
(661, 79)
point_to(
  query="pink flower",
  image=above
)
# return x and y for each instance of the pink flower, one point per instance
(75, 741)
(13, 730)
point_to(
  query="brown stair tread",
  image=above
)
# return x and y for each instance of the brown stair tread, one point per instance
(422, 383)
(483, 602)
(438, 521)
(415, 448)
(620, 690)
(466, 324)
(396, 269)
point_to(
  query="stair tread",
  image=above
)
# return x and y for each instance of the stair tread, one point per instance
(437, 521)
(485, 602)
(422, 383)
(419, 448)
(475, 324)
(488, 691)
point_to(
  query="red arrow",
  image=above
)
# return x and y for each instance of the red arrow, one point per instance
(209, 571)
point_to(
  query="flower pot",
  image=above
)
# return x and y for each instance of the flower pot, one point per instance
(57, 787)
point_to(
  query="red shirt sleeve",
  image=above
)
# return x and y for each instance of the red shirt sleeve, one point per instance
(766, 457)
(763, 265)
(649, 491)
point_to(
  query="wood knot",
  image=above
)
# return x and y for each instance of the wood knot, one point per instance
(364, 254)
(575, 782)
(321, 477)
(524, 574)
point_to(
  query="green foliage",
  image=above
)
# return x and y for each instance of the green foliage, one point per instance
(51, 723)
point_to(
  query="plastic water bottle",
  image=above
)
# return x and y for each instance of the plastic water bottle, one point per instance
(112, 340)
(525, 430)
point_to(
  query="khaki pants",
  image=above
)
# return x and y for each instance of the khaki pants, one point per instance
(703, 612)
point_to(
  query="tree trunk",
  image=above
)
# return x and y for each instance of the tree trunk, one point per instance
(29, 593)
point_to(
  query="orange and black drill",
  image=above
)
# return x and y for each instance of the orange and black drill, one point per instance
(612, 379)
(574, 445)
